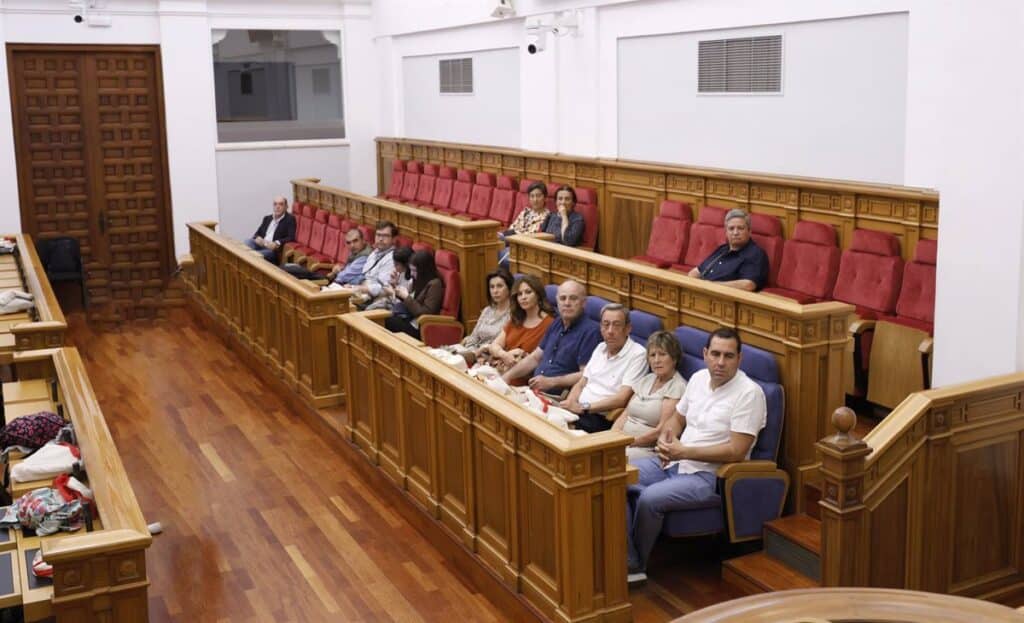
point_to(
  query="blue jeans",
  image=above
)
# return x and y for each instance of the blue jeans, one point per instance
(660, 491)
(268, 254)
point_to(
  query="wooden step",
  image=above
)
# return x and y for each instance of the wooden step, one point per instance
(812, 495)
(760, 573)
(796, 542)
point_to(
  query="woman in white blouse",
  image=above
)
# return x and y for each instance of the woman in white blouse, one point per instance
(492, 318)
(654, 396)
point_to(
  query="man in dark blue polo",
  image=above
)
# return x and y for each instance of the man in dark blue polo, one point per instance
(739, 263)
(558, 362)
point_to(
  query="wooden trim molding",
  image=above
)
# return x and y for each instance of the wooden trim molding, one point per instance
(475, 242)
(629, 192)
(45, 325)
(287, 324)
(905, 506)
(807, 340)
(538, 507)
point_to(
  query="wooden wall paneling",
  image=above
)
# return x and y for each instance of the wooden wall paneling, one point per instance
(428, 231)
(631, 200)
(419, 436)
(435, 155)
(889, 534)
(419, 152)
(539, 533)
(454, 471)
(386, 153)
(471, 160)
(492, 490)
(844, 204)
(405, 151)
(453, 157)
(491, 163)
(391, 408)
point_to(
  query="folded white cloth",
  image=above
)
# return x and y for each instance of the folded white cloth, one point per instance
(456, 361)
(51, 460)
(13, 301)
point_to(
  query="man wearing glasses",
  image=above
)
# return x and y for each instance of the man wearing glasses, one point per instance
(607, 382)
(379, 263)
(276, 229)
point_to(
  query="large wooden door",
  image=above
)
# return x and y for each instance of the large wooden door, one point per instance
(89, 138)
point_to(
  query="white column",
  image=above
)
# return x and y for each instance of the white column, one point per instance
(361, 84)
(965, 135)
(10, 213)
(191, 117)
(540, 92)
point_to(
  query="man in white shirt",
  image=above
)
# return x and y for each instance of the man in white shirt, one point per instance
(607, 382)
(720, 416)
(277, 229)
(380, 264)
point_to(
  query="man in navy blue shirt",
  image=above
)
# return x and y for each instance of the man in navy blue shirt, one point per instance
(739, 263)
(558, 362)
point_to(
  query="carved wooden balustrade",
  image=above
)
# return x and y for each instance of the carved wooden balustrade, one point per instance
(629, 192)
(475, 242)
(288, 325)
(542, 510)
(42, 327)
(933, 497)
(808, 340)
(98, 576)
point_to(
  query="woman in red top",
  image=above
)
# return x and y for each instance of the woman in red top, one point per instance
(528, 321)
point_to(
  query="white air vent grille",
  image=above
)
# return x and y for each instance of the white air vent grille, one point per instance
(747, 65)
(457, 75)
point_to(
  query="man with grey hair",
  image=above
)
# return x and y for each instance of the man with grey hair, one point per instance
(739, 263)
(607, 382)
(276, 229)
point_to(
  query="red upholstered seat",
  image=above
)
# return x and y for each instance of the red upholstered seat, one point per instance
(915, 306)
(443, 189)
(669, 234)
(368, 233)
(394, 190)
(403, 241)
(586, 205)
(411, 182)
(440, 333)
(810, 263)
(422, 246)
(766, 231)
(523, 197)
(346, 226)
(425, 190)
(462, 192)
(504, 200)
(705, 236)
(303, 225)
(332, 238)
(552, 192)
(480, 198)
(316, 236)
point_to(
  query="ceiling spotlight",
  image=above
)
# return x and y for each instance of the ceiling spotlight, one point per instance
(504, 9)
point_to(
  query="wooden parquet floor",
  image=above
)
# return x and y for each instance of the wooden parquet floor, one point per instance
(266, 520)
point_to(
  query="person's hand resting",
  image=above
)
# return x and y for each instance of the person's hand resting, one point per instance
(401, 293)
(542, 383)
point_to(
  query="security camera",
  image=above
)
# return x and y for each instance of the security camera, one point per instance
(535, 41)
(78, 18)
(504, 9)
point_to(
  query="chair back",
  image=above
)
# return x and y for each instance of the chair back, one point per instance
(428, 180)
(523, 197)
(766, 231)
(670, 233)
(443, 188)
(447, 264)
(394, 190)
(917, 295)
(691, 342)
(810, 260)
(870, 273)
(503, 201)
(411, 182)
(586, 205)
(480, 198)
(592, 307)
(642, 325)
(462, 192)
(762, 368)
(705, 235)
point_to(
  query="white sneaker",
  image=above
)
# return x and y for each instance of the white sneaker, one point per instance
(635, 578)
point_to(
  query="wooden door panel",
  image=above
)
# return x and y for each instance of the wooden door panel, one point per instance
(91, 162)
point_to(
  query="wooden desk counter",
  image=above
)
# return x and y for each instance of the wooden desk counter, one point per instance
(808, 340)
(474, 242)
(287, 324)
(45, 325)
(541, 509)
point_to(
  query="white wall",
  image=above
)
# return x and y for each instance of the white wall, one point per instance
(489, 115)
(840, 113)
(249, 179)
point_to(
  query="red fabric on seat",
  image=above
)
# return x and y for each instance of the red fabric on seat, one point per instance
(422, 246)
(403, 241)
(870, 272)
(766, 231)
(503, 200)
(448, 268)
(552, 192)
(586, 205)
(304, 225)
(368, 234)
(462, 192)
(916, 303)
(443, 189)
(425, 190)
(810, 263)
(669, 235)
(480, 197)
(410, 184)
(394, 190)
(332, 238)
(705, 236)
(316, 236)
(437, 335)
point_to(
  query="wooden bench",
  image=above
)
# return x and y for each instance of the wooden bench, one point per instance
(98, 575)
(44, 325)
(541, 509)
(285, 324)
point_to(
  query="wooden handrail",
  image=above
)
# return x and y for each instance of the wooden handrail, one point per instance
(50, 325)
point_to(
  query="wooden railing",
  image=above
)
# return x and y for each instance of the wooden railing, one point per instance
(541, 509)
(100, 575)
(42, 327)
(820, 605)
(630, 192)
(933, 497)
(809, 341)
(475, 242)
(286, 324)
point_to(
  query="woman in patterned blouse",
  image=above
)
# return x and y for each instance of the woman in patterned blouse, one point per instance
(530, 220)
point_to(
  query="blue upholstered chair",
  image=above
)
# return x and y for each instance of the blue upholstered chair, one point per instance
(551, 292)
(752, 492)
(592, 307)
(643, 325)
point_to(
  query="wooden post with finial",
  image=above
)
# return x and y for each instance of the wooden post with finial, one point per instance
(845, 549)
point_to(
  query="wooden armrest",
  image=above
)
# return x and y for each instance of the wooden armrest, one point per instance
(544, 236)
(309, 285)
(377, 315)
(632, 474)
(319, 265)
(437, 319)
(405, 337)
(747, 467)
(925, 348)
(186, 261)
(860, 326)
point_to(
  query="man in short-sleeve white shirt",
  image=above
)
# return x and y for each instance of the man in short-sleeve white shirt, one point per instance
(720, 416)
(608, 378)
